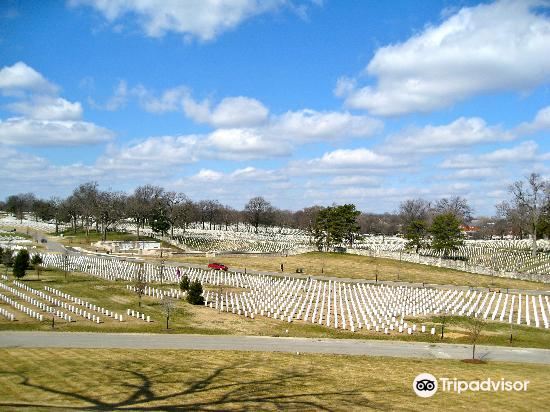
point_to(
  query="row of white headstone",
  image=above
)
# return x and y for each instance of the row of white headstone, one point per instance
(157, 292)
(86, 304)
(347, 304)
(137, 315)
(34, 302)
(10, 316)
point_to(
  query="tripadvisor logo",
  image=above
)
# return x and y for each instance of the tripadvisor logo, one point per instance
(426, 385)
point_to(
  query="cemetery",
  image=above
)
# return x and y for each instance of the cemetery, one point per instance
(265, 304)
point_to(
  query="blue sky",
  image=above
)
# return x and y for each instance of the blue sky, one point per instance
(302, 102)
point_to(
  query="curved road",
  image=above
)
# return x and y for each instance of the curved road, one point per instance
(269, 344)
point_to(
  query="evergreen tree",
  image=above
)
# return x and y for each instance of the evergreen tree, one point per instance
(415, 233)
(184, 283)
(446, 233)
(336, 225)
(194, 295)
(21, 263)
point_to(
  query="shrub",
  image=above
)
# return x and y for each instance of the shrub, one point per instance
(184, 284)
(194, 295)
(21, 263)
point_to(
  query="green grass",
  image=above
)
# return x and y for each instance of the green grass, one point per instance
(365, 267)
(200, 319)
(38, 379)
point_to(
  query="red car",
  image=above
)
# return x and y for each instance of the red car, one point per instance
(217, 266)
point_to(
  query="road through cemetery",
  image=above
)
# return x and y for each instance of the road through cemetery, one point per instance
(85, 340)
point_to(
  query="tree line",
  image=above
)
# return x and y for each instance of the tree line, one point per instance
(526, 212)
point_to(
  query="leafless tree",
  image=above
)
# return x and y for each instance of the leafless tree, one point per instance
(456, 205)
(85, 198)
(258, 211)
(474, 328)
(171, 203)
(412, 210)
(169, 308)
(140, 283)
(530, 198)
(143, 202)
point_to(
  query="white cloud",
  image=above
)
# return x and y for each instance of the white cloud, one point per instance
(21, 77)
(247, 174)
(118, 99)
(524, 152)
(346, 161)
(171, 100)
(231, 112)
(354, 181)
(207, 175)
(310, 125)
(205, 19)
(490, 47)
(47, 108)
(153, 154)
(245, 144)
(540, 122)
(46, 119)
(460, 133)
(33, 132)
(478, 173)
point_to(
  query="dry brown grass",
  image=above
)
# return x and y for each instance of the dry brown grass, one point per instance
(230, 380)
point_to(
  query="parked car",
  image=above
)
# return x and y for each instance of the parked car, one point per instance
(217, 266)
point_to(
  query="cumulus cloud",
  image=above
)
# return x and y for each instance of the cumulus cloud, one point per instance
(486, 48)
(354, 181)
(346, 161)
(460, 133)
(244, 144)
(239, 111)
(36, 132)
(524, 152)
(247, 174)
(47, 108)
(46, 119)
(20, 77)
(540, 122)
(310, 125)
(205, 19)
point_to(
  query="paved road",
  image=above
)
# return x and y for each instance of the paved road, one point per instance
(269, 344)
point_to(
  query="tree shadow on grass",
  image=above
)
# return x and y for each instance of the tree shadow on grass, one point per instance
(223, 388)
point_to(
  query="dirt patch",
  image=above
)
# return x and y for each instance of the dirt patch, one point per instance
(474, 361)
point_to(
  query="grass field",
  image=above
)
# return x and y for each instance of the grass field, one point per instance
(364, 267)
(200, 319)
(39, 379)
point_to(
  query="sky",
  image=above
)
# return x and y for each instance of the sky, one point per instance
(302, 102)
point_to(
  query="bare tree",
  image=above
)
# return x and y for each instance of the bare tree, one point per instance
(171, 202)
(258, 211)
(143, 202)
(413, 210)
(19, 204)
(530, 198)
(110, 209)
(456, 205)
(168, 308)
(474, 328)
(140, 283)
(85, 197)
